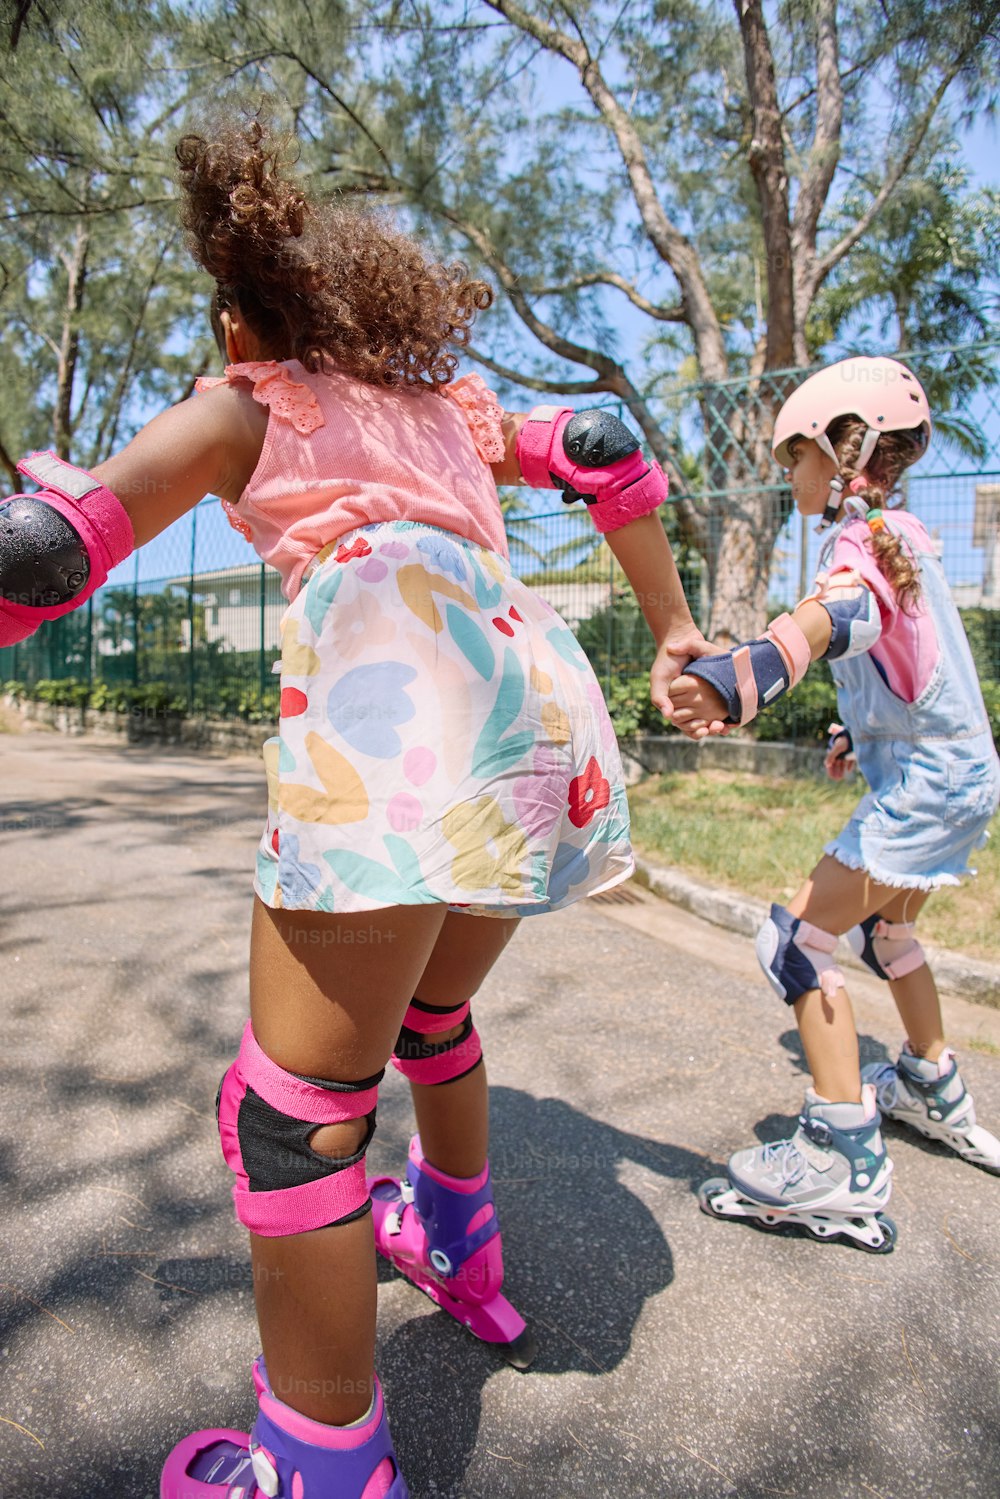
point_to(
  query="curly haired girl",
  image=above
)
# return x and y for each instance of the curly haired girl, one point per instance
(444, 758)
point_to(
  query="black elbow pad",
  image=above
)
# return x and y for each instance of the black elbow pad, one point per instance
(43, 561)
(596, 439)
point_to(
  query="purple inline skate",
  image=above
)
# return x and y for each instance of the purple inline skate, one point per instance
(442, 1233)
(286, 1455)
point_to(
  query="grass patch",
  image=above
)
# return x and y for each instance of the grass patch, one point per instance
(762, 835)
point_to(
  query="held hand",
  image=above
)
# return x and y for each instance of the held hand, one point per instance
(673, 656)
(698, 710)
(840, 758)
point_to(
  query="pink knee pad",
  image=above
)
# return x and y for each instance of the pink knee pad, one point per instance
(422, 1060)
(93, 516)
(888, 948)
(266, 1119)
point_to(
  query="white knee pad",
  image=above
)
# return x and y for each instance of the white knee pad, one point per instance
(797, 956)
(888, 948)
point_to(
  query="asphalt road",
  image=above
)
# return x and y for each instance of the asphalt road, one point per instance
(631, 1048)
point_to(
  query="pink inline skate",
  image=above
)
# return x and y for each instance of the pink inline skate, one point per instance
(286, 1454)
(442, 1233)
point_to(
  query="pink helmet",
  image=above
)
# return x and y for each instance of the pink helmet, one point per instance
(883, 392)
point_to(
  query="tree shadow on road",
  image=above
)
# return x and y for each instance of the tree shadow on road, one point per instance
(582, 1254)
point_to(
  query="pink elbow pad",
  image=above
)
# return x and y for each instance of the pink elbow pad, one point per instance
(598, 460)
(97, 529)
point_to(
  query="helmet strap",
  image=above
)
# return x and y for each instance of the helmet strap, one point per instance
(868, 444)
(833, 502)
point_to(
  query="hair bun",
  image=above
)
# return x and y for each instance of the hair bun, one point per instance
(239, 208)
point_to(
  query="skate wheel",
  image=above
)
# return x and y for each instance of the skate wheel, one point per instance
(889, 1236)
(522, 1351)
(708, 1192)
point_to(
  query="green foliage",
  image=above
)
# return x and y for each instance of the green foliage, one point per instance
(236, 700)
(153, 699)
(101, 315)
(982, 626)
(805, 713)
(991, 697)
(617, 634)
(630, 708)
(64, 692)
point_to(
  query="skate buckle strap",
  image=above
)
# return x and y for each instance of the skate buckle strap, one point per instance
(393, 1221)
(828, 1139)
(816, 1130)
(264, 1471)
(816, 1143)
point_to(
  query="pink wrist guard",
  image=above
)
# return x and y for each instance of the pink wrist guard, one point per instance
(97, 518)
(617, 491)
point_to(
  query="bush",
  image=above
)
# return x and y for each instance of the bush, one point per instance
(63, 692)
(154, 699)
(621, 628)
(805, 713)
(237, 700)
(991, 697)
(982, 626)
(630, 707)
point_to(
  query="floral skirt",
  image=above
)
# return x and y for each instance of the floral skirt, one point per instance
(442, 739)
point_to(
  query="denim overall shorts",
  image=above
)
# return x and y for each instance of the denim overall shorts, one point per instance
(931, 765)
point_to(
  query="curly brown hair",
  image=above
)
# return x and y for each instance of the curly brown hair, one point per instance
(329, 284)
(893, 454)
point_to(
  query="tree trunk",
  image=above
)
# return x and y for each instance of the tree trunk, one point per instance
(69, 347)
(766, 158)
(745, 527)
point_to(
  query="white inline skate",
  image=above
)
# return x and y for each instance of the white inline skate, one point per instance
(932, 1098)
(832, 1178)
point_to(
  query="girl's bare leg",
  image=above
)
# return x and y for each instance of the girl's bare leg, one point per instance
(836, 898)
(328, 1005)
(916, 994)
(452, 1118)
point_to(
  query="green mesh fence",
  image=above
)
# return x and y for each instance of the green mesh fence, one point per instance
(192, 623)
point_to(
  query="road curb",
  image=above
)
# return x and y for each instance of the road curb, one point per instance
(974, 980)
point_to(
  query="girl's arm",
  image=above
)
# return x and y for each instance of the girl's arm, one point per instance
(58, 545)
(643, 552)
(209, 444)
(841, 620)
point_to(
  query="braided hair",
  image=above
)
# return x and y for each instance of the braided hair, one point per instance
(880, 478)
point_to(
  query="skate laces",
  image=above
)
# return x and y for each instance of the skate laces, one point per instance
(889, 1086)
(786, 1160)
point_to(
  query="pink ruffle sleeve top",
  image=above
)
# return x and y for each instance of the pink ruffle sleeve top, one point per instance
(339, 454)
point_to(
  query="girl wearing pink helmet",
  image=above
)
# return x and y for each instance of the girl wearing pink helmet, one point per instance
(914, 723)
